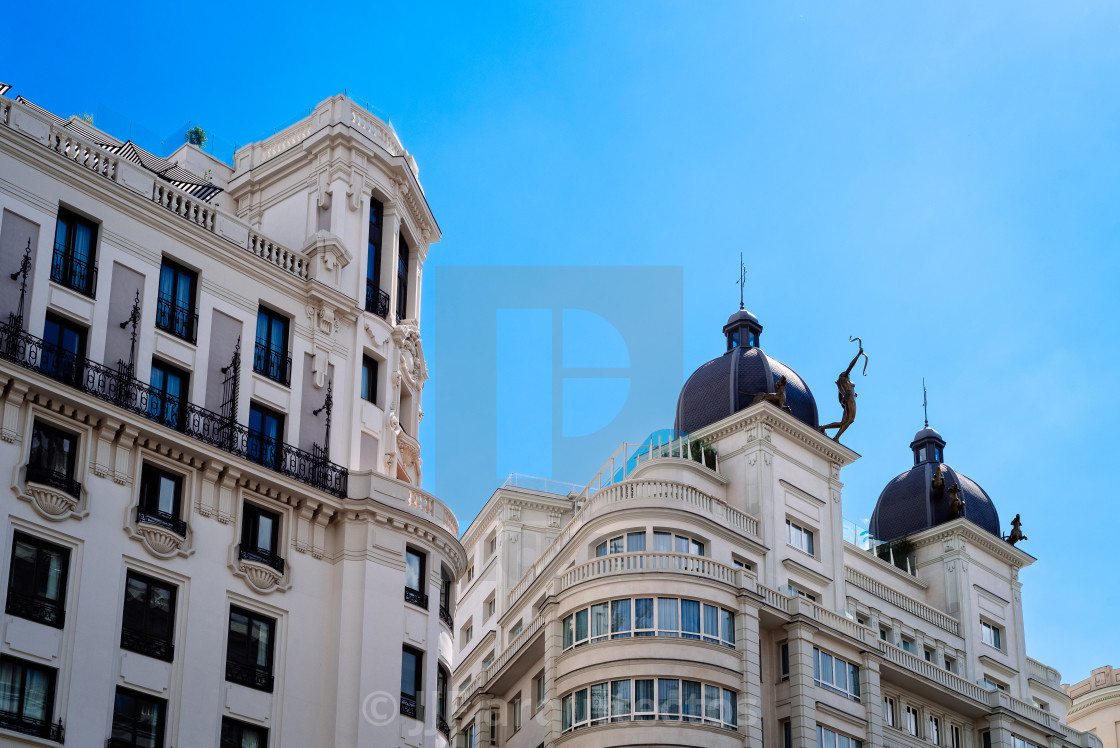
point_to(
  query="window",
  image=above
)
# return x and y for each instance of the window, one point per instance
(167, 402)
(889, 712)
(160, 499)
(538, 692)
(647, 699)
(739, 563)
(885, 634)
(175, 304)
(402, 278)
(491, 606)
(445, 598)
(667, 542)
(270, 356)
(799, 537)
(491, 545)
(52, 458)
(835, 674)
(249, 649)
(992, 685)
(414, 578)
(138, 720)
(470, 573)
(260, 537)
(670, 616)
(955, 737)
(826, 738)
(265, 442)
(783, 658)
(513, 632)
(933, 730)
(377, 301)
(37, 580)
(912, 721)
(488, 660)
(929, 654)
(908, 644)
(802, 593)
(468, 634)
(64, 350)
(412, 678)
(990, 634)
(75, 241)
(369, 379)
(441, 700)
(470, 736)
(148, 625)
(241, 735)
(950, 663)
(1018, 742)
(515, 713)
(27, 698)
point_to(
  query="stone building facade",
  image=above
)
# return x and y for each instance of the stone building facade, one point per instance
(1096, 705)
(211, 393)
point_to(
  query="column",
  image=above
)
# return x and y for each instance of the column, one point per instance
(802, 688)
(553, 646)
(391, 226)
(748, 640)
(1000, 726)
(872, 696)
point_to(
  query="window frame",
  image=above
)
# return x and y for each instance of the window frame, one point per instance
(596, 703)
(991, 634)
(368, 389)
(229, 740)
(829, 680)
(139, 699)
(163, 407)
(19, 721)
(33, 605)
(603, 620)
(172, 315)
(242, 666)
(56, 360)
(143, 638)
(63, 259)
(150, 510)
(805, 537)
(403, 271)
(248, 547)
(272, 362)
(410, 702)
(40, 467)
(260, 446)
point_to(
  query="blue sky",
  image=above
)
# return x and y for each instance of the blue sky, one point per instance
(938, 178)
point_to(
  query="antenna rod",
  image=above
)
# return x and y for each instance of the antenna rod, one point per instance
(742, 279)
(925, 403)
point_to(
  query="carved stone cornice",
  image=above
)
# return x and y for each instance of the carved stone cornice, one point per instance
(765, 416)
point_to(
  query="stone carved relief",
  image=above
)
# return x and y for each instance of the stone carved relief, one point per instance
(51, 503)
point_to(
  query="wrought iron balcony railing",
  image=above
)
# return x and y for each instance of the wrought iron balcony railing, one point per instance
(80, 275)
(39, 728)
(442, 726)
(274, 364)
(35, 609)
(119, 387)
(54, 479)
(158, 647)
(445, 616)
(163, 519)
(416, 597)
(252, 676)
(377, 301)
(261, 557)
(132, 733)
(179, 320)
(409, 707)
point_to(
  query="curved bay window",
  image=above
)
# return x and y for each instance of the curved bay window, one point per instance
(649, 616)
(642, 699)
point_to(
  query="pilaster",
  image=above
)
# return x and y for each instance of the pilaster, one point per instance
(747, 630)
(802, 688)
(872, 696)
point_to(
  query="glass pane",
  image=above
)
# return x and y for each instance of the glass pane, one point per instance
(620, 698)
(409, 662)
(662, 541)
(620, 617)
(616, 544)
(412, 570)
(600, 702)
(697, 548)
(566, 712)
(711, 622)
(599, 620)
(668, 623)
(643, 613)
(711, 702)
(681, 544)
(728, 626)
(601, 549)
(10, 676)
(581, 706)
(690, 619)
(265, 524)
(568, 630)
(691, 700)
(668, 698)
(643, 696)
(730, 716)
(635, 542)
(167, 486)
(581, 625)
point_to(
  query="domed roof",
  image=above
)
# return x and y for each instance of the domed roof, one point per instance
(730, 383)
(918, 500)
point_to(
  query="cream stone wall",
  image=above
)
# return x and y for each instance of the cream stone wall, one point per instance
(1096, 705)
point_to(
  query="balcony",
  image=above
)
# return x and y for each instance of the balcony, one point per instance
(62, 481)
(38, 728)
(252, 676)
(445, 616)
(72, 272)
(180, 321)
(274, 364)
(377, 301)
(270, 560)
(442, 726)
(409, 707)
(147, 644)
(651, 562)
(162, 519)
(416, 597)
(119, 388)
(36, 609)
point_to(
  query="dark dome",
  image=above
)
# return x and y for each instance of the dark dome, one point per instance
(730, 383)
(910, 503)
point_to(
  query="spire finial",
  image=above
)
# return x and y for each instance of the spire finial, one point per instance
(925, 403)
(742, 280)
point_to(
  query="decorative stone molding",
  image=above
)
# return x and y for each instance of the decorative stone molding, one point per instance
(10, 428)
(412, 365)
(328, 255)
(159, 540)
(52, 503)
(261, 577)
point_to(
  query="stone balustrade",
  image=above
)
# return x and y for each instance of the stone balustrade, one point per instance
(904, 602)
(651, 562)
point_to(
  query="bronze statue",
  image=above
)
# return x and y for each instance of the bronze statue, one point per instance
(778, 397)
(1016, 531)
(847, 394)
(956, 503)
(938, 482)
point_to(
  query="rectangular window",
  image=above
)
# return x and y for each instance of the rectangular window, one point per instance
(369, 379)
(799, 537)
(933, 728)
(175, 304)
(415, 578)
(538, 692)
(692, 701)
(491, 606)
(73, 263)
(148, 622)
(600, 703)
(908, 644)
(668, 698)
(836, 674)
(260, 537)
(727, 627)
(241, 735)
(37, 580)
(929, 655)
(600, 621)
(138, 720)
(515, 713)
(402, 278)
(167, 400)
(468, 634)
(955, 737)
(270, 355)
(990, 634)
(249, 649)
(620, 619)
(635, 542)
(643, 616)
(620, 701)
(668, 618)
(912, 721)
(441, 693)
(52, 458)
(644, 704)
(63, 356)
(27, 698)
(663, 542)
(377, 301)
(161, 499)
(513, 632)
(783, 657)
(265, 441)
(889, 713)
(412, 679)
(827, 738)
(690, 619)
(949, 663)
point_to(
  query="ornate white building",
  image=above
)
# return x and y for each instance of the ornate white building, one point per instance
(1096, 705)
(210, 400)
(704, 590)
